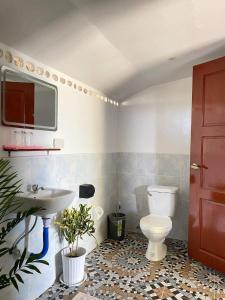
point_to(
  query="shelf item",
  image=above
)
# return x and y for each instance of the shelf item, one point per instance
(15, 148)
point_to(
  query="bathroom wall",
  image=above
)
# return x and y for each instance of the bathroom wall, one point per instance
(154, 146)
(85, 121)
(151, 131)
(88, 126)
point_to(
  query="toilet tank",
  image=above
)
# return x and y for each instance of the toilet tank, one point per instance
(162, 200)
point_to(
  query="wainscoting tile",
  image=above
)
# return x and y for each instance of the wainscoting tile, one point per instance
(168, 165)
(135, 171)
(146, 163)
(127, 162)
(68, 172)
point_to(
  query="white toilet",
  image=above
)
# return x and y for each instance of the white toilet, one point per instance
(157, 225)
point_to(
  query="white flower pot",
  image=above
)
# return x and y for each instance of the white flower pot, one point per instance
(73, 267)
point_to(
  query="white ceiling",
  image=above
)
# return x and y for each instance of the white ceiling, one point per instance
(117, 46)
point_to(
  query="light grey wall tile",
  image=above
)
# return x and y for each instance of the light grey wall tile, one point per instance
(146, 163)
(138, 170)
(167, 180)
(168, 165)
(127, 162)
(185, 167)
(67, 171)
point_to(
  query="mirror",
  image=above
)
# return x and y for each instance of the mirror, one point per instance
(27, 102)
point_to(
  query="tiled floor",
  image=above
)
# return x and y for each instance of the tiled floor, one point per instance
(119, 270)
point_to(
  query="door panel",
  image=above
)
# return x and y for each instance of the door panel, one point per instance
(212, 227)
(207, 181)
(213, 161)
(214, 98)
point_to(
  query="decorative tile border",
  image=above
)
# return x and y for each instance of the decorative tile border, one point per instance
(30, 67)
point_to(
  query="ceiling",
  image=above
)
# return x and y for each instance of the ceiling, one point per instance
(118, 46)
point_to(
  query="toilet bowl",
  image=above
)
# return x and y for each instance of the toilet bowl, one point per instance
(156, 228)
(157, 225)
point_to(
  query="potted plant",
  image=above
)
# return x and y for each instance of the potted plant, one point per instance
(74, 223)
(9, 204)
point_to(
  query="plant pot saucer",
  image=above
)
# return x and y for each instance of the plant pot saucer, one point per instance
(75, 284)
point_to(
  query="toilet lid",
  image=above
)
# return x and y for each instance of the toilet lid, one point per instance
(156, 222)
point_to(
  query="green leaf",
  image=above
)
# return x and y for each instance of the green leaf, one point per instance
(34, 268)
(11, 272)
(9, 187)
(14, 283)
(31, 258)
(26, 271)
(4, 281)
(16, 265)
(41, 261)
(22, 257)
(19, 278)
(3, 251)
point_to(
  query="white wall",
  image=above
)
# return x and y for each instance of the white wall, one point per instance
(157, 120)
(87, 124)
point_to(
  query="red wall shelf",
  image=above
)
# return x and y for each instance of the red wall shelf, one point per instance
(13, 148)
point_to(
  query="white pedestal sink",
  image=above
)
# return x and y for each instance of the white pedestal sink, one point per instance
(50, 200)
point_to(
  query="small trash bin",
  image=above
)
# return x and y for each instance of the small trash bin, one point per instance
(116, 226)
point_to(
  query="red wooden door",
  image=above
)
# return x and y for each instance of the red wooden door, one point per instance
(207, 179)
(19, 102)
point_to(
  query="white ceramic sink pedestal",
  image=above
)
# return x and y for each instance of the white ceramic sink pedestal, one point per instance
(50, 200)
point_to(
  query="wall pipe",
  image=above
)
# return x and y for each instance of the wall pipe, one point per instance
(22, 236)
(46, 223)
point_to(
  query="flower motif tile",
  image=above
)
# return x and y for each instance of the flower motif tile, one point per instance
(119, 270)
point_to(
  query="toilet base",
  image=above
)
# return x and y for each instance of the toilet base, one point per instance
(156, 251)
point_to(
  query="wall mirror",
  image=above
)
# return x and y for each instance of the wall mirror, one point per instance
(27, 102)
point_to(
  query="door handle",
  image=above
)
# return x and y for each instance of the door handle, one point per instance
(195, 166)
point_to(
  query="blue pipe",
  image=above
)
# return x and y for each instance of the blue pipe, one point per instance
(45, 240)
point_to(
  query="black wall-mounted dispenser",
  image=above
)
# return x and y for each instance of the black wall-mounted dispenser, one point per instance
(86, 191)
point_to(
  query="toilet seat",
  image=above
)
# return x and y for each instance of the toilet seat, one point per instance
(156, 223)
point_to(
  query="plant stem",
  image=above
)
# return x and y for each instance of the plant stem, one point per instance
(77, 246)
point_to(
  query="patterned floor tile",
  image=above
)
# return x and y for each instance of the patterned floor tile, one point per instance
(120, 270)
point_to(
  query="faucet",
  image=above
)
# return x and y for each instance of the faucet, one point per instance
(35, 188)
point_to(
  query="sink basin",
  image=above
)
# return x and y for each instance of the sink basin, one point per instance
(50, 200)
